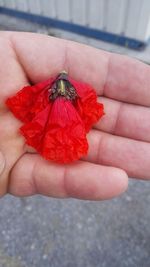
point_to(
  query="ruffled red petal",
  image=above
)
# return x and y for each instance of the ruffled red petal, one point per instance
(87, 106)
(34, 131)
(29, 101)
(57, 133)
(55, 124)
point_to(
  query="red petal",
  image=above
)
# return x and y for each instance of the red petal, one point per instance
(29, 100)
(34, 131)
(56, 129)
(89, 109)
(63, 139)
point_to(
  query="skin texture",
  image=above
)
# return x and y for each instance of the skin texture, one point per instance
(119, 143)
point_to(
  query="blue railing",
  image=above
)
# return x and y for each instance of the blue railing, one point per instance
(82, 27)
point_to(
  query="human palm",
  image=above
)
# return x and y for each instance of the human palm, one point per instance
(118, 145)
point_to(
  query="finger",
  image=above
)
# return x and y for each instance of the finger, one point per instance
(3, 174)
(130, 155)
(124, 119)
(128, 80)
(83, 180)
(2, 162)
(12, 76)
(11, 147)
(114, 76)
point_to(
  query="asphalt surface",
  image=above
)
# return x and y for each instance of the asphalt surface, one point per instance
(39, 231)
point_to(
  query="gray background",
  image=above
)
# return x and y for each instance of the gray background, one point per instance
(39, 231)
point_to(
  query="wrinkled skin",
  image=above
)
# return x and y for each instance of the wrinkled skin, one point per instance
(119, 143)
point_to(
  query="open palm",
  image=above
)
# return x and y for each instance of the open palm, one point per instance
(118, 145)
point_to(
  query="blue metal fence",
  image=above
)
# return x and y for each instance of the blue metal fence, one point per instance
(123, 22)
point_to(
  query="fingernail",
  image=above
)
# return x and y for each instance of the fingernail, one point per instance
(2, 162)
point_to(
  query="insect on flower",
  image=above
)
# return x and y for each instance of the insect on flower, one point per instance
(57, 114)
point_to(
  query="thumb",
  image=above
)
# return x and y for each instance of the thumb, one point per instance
(2, 162)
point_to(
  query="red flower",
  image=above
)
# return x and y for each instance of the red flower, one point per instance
(56, 114)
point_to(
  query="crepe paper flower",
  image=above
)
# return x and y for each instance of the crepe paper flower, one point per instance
(57, 114)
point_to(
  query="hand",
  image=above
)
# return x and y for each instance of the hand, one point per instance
(119, 144)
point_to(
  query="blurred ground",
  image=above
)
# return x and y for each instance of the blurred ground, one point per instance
(38, 231)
